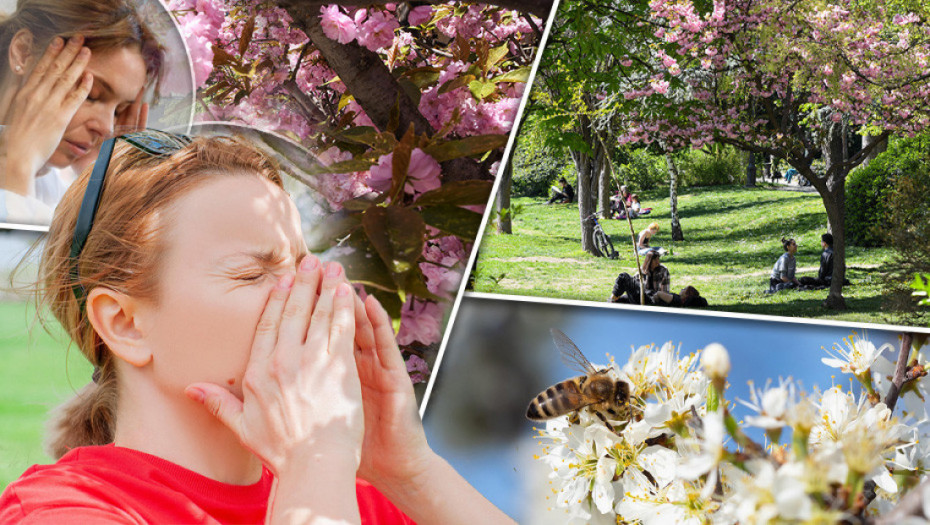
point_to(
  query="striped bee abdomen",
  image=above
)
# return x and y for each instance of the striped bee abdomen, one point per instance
(559, 399)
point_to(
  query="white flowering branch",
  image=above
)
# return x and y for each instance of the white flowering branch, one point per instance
(849, 458)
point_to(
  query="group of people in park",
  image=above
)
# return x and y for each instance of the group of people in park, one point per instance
(783, 273)
(625, 203)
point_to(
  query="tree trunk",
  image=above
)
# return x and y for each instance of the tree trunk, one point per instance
(832, 189)
(584, 166)
(677, 234)
(504, 211)
(868, 140)
(603, 181)
(751, 170)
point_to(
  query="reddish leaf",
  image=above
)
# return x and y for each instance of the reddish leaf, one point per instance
(458, 193)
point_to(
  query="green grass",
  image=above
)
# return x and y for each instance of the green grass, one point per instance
(732, 239)
(34, 378)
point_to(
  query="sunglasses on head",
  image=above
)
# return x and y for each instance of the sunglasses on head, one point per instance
(154, 142)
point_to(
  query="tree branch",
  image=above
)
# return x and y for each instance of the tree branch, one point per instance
(374, 87)
(900, 371)
(539, 8)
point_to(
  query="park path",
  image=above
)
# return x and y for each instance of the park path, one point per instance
(761, 273)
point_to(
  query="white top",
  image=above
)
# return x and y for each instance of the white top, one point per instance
(38, 205)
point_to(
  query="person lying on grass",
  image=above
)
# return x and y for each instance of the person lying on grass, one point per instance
(656, 279)
(237, 378)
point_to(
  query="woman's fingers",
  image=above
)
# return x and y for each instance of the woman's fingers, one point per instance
(321, 321)
(73, 71)
(342, 331)
(300, 304)
(385, 342)
(36, 78)
(220, 402)
(266, 334)
(364, 333)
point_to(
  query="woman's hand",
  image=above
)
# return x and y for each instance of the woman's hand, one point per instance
(40, 111)
(133, 118)
(301, 410)
(395, 450)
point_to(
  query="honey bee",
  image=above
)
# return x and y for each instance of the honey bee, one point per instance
(595, 389)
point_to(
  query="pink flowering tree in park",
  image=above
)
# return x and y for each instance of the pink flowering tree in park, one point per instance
(405, 110)
(801, 81)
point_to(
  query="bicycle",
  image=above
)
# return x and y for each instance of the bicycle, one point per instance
(603, 247)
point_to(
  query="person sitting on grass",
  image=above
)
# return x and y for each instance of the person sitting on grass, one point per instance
(825, 273)
(656, 279)
(636, 209)
(617, 202)
(782, 277)
(689, 297)
(642, 242)
(563, 196)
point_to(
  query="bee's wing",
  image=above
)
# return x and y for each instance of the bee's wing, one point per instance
(571, 355)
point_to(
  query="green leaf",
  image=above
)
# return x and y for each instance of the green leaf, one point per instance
(363, 163)
(423, 76)
(361, 135)
(416, 285)
(397, 234)
(458, 193)
(453, 220)
(391, 302)
(334, 226)
(456, 83)
(466, 147)
(482, 89)
(410, 89)
(344, 101)
(521, 74)
(364, 265)
(497, 54)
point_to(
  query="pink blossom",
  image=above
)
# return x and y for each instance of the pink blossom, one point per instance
(377, 31)
(420, 15)
(417, 369)
(422, 175)
(420, 322)
(337, 25)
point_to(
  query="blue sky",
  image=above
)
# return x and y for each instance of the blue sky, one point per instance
(503, 470)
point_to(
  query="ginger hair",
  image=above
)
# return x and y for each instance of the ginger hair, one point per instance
(122, 253)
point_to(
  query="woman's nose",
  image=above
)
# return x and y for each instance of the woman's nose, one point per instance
(102, 122)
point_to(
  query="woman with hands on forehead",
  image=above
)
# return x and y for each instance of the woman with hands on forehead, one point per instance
(72, 73)
(237, 378)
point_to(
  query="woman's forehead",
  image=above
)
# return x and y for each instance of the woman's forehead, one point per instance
(237, 214)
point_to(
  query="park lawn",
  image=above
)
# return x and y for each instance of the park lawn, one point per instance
(38, 374)
(732, 239)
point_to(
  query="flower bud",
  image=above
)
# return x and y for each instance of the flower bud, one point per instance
(715, 361)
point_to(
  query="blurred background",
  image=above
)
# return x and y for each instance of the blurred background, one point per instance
(501, 355)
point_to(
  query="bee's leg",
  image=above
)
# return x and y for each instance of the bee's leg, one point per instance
(604, 419)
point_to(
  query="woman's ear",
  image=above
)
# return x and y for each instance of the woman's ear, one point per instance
(20, 53)
(113, 316)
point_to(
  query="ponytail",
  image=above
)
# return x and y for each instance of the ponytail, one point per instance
(89, 418)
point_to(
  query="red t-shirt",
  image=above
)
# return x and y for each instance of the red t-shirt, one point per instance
(110, 484)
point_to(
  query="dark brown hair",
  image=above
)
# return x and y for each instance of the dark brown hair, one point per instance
(105, 25)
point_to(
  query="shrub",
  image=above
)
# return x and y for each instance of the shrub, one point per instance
(641, 170)
(869, 189)
(701, 169)
(535, 171)
(907, 222)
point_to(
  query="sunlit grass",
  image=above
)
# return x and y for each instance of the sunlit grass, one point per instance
(732, 239)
